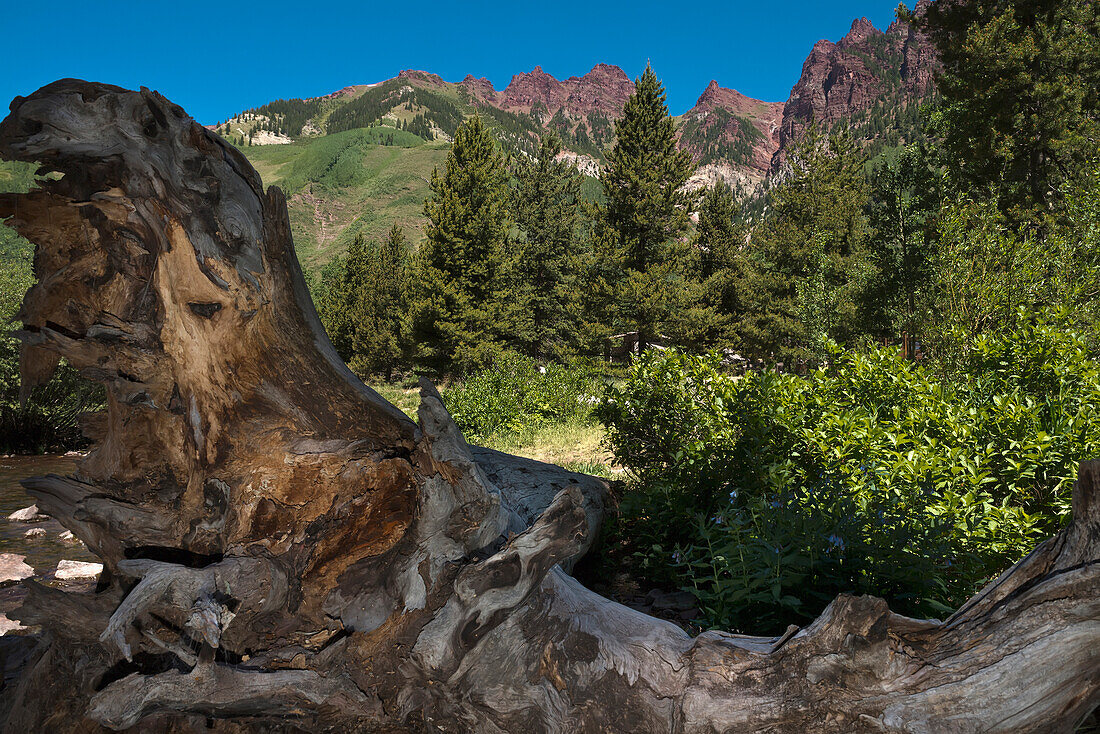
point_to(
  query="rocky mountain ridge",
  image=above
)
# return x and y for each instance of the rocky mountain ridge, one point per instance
(869, 81)
(866, 75)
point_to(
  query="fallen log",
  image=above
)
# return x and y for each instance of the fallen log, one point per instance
(283, 549)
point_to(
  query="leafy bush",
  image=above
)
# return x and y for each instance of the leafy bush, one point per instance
(769, 494)
(515, 394)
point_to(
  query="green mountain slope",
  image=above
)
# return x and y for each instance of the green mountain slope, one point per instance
(357, 181)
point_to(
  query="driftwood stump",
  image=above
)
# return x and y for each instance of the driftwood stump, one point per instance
(285, 550)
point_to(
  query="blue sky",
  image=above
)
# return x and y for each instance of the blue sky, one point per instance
(216, 59)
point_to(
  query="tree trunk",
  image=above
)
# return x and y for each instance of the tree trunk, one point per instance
(284, 549)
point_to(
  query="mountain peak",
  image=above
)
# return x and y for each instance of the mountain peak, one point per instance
(480, 89)
(861, 30)
(715, 96)
(415, 75)
(839, 80)
(608, 72)
(604, 88)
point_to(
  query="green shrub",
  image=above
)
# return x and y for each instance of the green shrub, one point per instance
(767, 495)
(516, 394)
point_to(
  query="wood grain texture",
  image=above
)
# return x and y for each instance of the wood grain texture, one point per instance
(284, 550)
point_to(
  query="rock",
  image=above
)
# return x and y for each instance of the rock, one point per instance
(68, 537)
(13, 568)
(725, 117)
(9, 625)
(28, 514)
(854, 74)
(35, 533)
(77, 570)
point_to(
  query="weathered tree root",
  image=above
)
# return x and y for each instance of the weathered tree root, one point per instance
(284, 549)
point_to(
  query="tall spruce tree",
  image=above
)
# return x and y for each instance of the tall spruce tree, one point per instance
(1020, 82)
(808, 263)
(714, 271)
(380, 338)
(545, 203)
(647, 210)
(905, 195)
(343, 281)
(363, 302)
(457, 315)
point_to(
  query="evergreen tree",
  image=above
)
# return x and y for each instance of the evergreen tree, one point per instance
(457, 313)
(714, 271)
(363, 302)
(808, 264)
(1020, 82)
(344, 280)
(379, 341)
(905, 194)
(646, 210)
(545, 204)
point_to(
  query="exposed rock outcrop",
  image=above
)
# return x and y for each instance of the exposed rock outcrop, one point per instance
(866, 67)
(731, 136)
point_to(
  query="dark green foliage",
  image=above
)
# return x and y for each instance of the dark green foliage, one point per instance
(437, 109)
(768, 495)
(517, 132)
(808, 262)
(342, 284)
(987, 272)
(601, 129)
(905, 197)
(419, 125)
(541, 283)
(336, 161)
(708, 134)
(646, 210)
(560, 123)
(288, 116)
(366, 109)
(1021, 96)
(50, 418)
(714, 273)
(515, 395)
(363, 304)
(457, 319)
(370, 107)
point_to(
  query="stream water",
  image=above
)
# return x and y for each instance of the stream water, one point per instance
(42, 552)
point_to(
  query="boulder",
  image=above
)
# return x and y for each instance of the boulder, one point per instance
(28, 514)
(77, 570)
(13, 568)
(9, 625)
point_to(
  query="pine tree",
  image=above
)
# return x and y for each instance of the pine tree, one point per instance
(646, 209)
(808, 264)
(714, 272)
(457, 319)
(344, 282)
(380, 342)
(720, 233)
(1020, 82)
(545, 204)
(905, 194)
